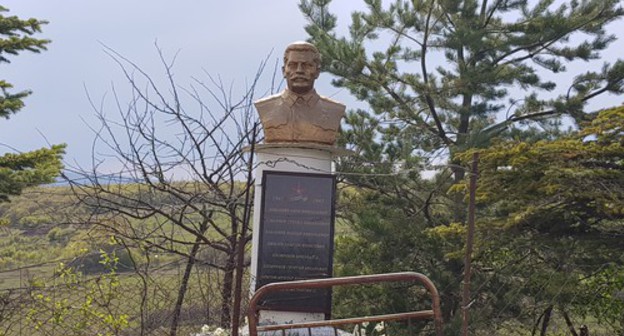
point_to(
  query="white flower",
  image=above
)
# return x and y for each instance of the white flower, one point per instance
(244, 330)
(359, 330)
(205, 329)
(379, 327)
(220, 332)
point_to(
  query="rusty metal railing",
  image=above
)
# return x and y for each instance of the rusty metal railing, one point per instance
(434, 313)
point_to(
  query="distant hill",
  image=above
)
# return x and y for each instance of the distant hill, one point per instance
(82, 179)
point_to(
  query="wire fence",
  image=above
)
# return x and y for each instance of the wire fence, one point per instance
(513, 295)
(110, 303)
(45, 299)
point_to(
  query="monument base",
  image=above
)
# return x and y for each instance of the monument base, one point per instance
(268, 317)
(288, 158)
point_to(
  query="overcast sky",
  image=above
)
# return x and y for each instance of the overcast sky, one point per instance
(226, 38)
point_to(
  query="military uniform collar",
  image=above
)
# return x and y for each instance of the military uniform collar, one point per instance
(309, 98)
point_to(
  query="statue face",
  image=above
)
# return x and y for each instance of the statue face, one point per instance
(300, 71)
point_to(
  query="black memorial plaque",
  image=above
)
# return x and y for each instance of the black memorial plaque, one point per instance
(296, 238)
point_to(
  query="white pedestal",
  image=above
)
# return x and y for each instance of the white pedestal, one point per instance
(286, 158)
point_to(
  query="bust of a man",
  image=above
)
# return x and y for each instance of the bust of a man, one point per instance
(298, 114)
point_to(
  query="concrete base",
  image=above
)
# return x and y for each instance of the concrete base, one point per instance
(285, 317)
(300, 158)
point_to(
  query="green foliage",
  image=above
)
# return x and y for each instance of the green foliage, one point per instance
(63, 300)
(440, 70)
(17, 249)
(15, 37)
(93, 314)
(37, 228)
(609, 283)
(59, 235)
(553, 210)
(20, 170)
(389, 233)
(91, 263)
(567, 186)
(436, 75)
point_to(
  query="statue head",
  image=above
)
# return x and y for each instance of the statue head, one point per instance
(302, 66)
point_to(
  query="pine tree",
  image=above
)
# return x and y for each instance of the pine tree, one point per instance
(19, 170)
(437, 73)
(16, 37)
(559, 204)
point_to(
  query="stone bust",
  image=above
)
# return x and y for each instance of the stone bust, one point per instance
(298, 114)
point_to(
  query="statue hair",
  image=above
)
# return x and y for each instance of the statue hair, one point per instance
(303, 46)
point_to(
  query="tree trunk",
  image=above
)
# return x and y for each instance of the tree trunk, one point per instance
(242, 240)
(584, 330)
(183, 287)
(450, 300)
(463, 129)
(458, 207)
(230, 268)
(539, 319)
(226, 291)
(238, 291)
(546, 320)
(569, 323)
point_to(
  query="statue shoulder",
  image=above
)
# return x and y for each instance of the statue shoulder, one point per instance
(268, 101)
(333, 105)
